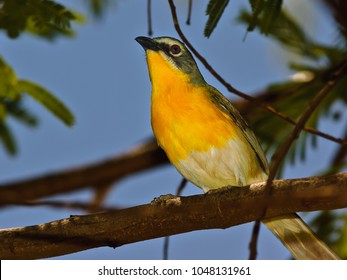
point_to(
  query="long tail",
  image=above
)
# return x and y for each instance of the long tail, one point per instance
(299, 239)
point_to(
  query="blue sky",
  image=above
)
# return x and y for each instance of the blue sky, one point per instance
(102, 76)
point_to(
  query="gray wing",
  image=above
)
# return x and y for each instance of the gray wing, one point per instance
(225, 105)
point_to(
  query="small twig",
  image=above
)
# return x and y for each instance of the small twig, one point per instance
(230, 88)
(325, 135)
(166, 247)
(190, 4)
(167, 238)
(100, 193)
(273, 97)
(253, 252)
(181, 186)
(149, 18)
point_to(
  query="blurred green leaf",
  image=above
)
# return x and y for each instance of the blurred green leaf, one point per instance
(44, 18)
(7, 139)
(325, 225)
(48, 100)
(98, 7)
(2, 112)
(8, 80)
(283, 28)
(215, 9)
(331, 227)
(265, 11)
(341, 243)
(16, 110)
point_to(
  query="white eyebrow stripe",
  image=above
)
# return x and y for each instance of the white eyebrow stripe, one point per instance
(169, 41)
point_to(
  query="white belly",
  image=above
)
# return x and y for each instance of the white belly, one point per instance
(233, 165)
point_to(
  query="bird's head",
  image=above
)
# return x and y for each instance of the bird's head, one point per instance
(169, 56)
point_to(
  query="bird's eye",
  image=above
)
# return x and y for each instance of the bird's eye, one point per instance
(175, 49)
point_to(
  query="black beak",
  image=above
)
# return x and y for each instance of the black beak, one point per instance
(147, 43)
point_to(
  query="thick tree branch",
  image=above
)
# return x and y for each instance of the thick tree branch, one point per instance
(142, 157)
(171, 215)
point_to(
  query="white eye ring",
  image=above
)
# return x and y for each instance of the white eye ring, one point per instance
(175, 50)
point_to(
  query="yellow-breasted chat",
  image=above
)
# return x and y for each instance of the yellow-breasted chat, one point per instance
(208, 141)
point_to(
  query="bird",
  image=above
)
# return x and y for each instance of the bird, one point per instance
(208, 141)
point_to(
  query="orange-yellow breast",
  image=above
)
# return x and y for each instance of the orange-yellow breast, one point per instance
(184, 119)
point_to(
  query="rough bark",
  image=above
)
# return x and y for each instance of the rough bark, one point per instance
(169, 215)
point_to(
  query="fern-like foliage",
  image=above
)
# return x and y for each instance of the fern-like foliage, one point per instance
(215, 9)
(44, 18)
(267, 11)
(264, 11)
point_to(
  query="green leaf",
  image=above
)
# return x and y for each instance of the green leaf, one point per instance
(282, 27)
(271, 14)
(3, 112)
(7, 139)
(215, 9)
(98, 7)
(8, 80)
(44, 18)
(265, 12)
(341, 244)
(257, 7)
(47, 99)
(16, 110)
(331, 227)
